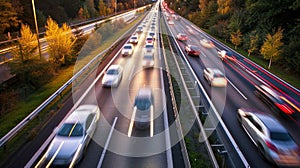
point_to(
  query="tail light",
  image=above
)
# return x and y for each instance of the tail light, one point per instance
(271, 146)
(284, 108)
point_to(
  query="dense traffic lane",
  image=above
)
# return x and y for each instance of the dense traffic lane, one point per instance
(138, 150)
(238, 93)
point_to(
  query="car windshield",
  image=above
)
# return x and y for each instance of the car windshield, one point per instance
(280, 136)
(143, 103)
(134, 37)
(127, 47)
(194, 48)
(148, 57)
(112, 72)
(71, 130)
(151, 34)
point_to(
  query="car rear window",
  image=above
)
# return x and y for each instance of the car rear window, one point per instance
(127, 47)
(112, 72)
(142, 103)
(71, 130)
(280, 136)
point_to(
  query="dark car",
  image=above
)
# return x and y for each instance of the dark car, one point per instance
(273, 98)
(192, 50)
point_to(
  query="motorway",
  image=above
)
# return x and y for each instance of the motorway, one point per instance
(118, 143)
(238, 93)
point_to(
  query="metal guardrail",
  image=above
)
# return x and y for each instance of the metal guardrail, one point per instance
(180, 132)
(27, 119)
(202, 130)
(213, 109)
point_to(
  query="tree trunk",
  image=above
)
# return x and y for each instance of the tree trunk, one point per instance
(270, 62)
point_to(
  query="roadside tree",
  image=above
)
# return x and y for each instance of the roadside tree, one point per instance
(271, 49)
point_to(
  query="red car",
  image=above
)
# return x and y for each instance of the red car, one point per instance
(192, 50)
(182, 37)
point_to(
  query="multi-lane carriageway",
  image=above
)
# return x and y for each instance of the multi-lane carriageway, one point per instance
(117, 143)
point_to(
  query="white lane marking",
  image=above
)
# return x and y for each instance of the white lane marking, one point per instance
(202, 53)
(131, 122)
(106, 143)
(131, 73)
(55, 154)
(237, 89)
(151, 121)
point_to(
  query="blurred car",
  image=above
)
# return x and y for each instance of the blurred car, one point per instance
(171, 22)
(152, 34)
(190, 30)
(223, 54)
(127, 49)
(134, 39)
(214, 77)
(206, 43)
(182, 37)
(270, 137)
(192, 50)
(148, 60)
(73, 136)
(149, 47)
(149, 39)
(113, 76)
(143, 104)
(139, 29)
(273, 98)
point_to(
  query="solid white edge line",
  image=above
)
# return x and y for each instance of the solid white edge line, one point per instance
(237, 89)
(131, 122)
(151, 121)
(107, 143)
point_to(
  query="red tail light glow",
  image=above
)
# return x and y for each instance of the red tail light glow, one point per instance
(271, 146)
(284, 108)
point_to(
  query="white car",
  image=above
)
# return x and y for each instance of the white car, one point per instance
(73, 136)
(149, 47)
(171, 22)
(143, 104)
(134, 39)
(113, 76)
(148, 60)
(270, 137)
(215, 77)
(127, 49)
(206, 43)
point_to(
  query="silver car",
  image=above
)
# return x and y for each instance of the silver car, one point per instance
(143, 104)
(73, 136)
(270, 137)
(113, 76)
(215, 77)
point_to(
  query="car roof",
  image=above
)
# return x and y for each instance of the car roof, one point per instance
(271, 123)
(144, 92)
(81, 113)
(215, 70)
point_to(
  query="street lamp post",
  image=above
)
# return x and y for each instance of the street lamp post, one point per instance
(116, 7)
(36, 28)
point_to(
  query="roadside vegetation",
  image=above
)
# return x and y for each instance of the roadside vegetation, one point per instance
(266, 32)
